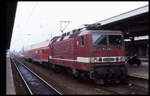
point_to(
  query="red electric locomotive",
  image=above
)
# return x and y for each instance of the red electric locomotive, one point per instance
(94, 54)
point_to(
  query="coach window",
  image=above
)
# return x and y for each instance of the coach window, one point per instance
(38, 51)
(44, 51)
(82, 42)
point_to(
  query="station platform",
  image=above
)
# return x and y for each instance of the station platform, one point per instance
(140, 72)
(144, 59)
(10, 88)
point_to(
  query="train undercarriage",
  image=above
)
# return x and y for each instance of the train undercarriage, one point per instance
(109, 74)
(99, 74)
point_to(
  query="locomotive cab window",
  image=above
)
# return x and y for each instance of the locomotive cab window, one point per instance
(102, 39)
(115, 40)
(99, 39)
(82, 42)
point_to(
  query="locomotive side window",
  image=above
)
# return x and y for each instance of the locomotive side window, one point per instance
(82, 41)
(99, 39)
(115, 40)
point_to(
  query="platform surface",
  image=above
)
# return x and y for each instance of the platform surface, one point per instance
(141, 71)
(10, 88)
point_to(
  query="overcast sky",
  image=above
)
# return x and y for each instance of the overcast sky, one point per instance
(36, 21)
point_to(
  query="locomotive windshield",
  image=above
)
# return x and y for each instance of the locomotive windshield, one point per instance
(115, 39)
(101, 39)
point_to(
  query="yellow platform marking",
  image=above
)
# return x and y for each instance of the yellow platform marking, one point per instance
(144, 76)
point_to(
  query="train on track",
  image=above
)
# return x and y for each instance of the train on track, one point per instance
(86, 52)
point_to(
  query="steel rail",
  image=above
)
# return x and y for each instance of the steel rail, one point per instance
(50, 86)
(22, 78)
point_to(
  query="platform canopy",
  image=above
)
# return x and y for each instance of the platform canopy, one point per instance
(132, 23)
(10, 18)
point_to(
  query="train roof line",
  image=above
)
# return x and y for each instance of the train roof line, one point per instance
(77, 33)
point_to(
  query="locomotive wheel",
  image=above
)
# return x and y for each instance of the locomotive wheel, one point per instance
(40, 63)
(100, 82)
(75, 73)
(69, 71)
(117, 81)
(53, 66)
(83, 76)
(49, 65)
(30, 60)
(125, 80)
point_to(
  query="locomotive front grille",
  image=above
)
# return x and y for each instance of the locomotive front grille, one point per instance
(108, 59)
(109, 71)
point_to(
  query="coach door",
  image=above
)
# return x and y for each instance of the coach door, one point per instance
(40, 54)
(50, 54)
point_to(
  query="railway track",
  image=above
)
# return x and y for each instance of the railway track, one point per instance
(35, 84)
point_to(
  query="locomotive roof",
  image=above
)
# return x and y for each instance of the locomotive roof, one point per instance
(80, 32)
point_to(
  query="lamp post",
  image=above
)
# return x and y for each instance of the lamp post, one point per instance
(27, 40)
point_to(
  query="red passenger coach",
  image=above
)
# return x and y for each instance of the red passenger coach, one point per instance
(38, 52)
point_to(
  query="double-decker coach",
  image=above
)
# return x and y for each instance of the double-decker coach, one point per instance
(38, 52)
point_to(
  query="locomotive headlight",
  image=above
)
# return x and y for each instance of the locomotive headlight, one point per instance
(94, 60)
(122, 58)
